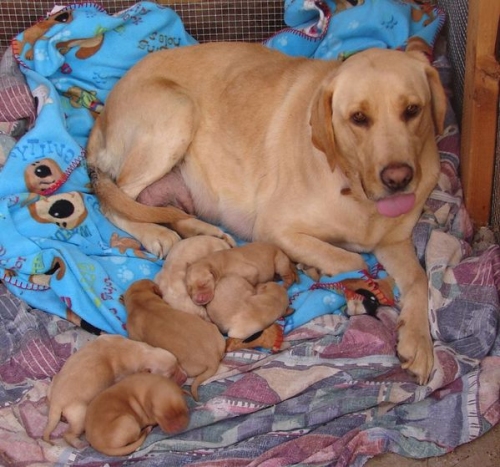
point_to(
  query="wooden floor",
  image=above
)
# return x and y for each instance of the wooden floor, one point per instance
(482, 452)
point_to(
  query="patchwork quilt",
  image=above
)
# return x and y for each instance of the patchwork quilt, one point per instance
(334, 394)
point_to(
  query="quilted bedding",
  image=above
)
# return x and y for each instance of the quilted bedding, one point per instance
(334, 394)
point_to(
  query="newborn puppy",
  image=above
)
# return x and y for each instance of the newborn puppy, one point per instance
(240, 309)
(95, 367)
(171, 278)
(257, 262)
(197, 344)
(119, 418)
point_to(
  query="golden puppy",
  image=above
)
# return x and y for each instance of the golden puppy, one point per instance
(197, 344)
(95, 367)
(325, 159)
(171, 278)
(119, 418)
(240, 309)
(257, 262)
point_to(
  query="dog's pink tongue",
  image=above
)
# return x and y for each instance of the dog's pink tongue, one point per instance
(394, 206)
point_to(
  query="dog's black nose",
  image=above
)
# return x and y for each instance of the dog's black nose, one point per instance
(396, 177)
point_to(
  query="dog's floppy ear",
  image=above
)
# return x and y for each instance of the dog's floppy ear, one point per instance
(438, 99)
(156, 290)
(321, 123)
(438, 95)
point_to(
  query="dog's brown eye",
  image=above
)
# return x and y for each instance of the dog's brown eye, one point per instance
(411, 111)
(359, 118)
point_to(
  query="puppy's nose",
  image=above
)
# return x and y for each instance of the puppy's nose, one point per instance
(396, 177)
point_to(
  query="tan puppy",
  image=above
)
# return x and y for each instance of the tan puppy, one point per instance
(325, 159)
(171, 279)
(119, 418)
(197, 344)
(257, 262)
(240, 309)
(95, 367)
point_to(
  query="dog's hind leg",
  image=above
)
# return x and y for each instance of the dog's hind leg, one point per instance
(134, 148)
(129, 150)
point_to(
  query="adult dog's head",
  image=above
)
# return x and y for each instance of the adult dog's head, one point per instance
(375, 118)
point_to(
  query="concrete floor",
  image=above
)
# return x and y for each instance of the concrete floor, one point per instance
(482, 452)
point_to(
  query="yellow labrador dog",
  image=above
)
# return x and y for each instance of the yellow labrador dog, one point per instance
(324, 159)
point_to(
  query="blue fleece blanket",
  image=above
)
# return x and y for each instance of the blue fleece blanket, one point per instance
(57, 251)
(336, 29)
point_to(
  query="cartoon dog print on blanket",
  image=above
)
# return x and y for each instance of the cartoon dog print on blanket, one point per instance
(85, 48)
(42, 174)
(81, 98)
(37, 31)
(66, 210)
(57, 269)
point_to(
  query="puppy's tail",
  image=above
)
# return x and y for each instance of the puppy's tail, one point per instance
(210, 371)
(113, 199)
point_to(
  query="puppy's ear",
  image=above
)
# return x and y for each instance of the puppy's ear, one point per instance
(214, 273)
(321, 123)
(157, 290)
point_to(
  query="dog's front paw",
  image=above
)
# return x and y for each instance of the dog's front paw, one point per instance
(415, 350)
(158, 240)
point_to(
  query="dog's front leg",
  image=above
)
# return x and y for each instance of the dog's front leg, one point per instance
(155, 238)
(415, 348)
(192, 227)
(315, 253)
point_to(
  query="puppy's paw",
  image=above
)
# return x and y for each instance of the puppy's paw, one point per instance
(228, 239)
(312, 272)
(415, 350)
(73, 440)
(158, 240)
(290, 277)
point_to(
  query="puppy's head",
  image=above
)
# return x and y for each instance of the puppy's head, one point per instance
(200, 283)
(139, 293)
(170, 409)
(375, 119)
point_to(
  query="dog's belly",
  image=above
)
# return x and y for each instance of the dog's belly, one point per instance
(229, 201)
(220, 204)
(168, 190)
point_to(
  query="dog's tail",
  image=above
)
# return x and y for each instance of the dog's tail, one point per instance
(113, 199)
